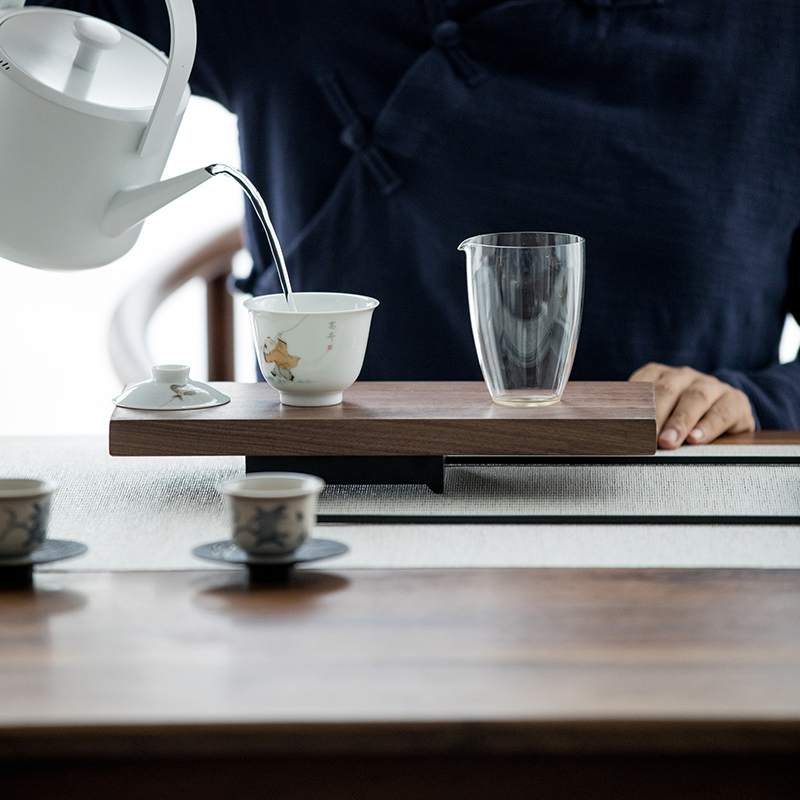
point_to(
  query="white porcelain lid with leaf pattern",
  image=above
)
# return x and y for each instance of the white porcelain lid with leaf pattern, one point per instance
(170, 390)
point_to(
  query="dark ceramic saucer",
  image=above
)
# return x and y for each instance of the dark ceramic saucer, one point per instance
(269, 569)
(17, 571)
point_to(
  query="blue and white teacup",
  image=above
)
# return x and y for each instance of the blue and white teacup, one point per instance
(272, 513)
(24, 514)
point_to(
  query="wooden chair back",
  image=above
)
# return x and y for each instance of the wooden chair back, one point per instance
(212, 261)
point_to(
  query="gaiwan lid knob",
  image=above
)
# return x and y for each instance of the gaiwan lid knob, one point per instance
(171, 373)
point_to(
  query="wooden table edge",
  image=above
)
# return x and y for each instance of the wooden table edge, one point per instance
(415, 737)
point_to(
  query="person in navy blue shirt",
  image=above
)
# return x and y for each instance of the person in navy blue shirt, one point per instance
(666, 132)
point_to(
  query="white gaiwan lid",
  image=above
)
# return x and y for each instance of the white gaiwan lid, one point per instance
(170, 390)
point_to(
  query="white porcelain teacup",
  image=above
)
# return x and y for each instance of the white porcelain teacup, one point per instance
(272, 513)
(24, 514)
(313, 354)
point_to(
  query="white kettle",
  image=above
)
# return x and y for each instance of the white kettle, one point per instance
(88, 115)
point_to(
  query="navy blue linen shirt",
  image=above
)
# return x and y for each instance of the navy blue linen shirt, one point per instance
(666, 132)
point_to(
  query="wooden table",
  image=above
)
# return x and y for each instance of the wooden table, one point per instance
(484, 683)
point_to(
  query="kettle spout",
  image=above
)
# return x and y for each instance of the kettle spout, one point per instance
(131, 206)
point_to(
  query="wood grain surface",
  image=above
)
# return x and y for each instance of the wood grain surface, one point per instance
(412, 659)
(406, 419)
(406, 683)
(760, 437)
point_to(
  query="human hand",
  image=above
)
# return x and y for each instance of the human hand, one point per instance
(694, 407)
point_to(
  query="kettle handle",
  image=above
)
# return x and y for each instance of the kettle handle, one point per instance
(157, 136)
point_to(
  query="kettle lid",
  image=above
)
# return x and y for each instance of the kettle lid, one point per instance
(110, 72)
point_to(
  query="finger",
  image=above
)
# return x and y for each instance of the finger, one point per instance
(670, 384)
(692, 405)
(732, 413)
(649, 372)
(665, 395)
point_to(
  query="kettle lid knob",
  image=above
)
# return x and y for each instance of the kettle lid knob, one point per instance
(94, 35)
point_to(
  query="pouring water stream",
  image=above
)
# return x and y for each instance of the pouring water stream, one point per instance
(261, 210)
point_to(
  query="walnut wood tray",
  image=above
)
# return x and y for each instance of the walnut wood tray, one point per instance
(397, 419)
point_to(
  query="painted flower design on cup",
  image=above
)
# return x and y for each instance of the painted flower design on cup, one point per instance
(33, 527)
(276, 353)
(268, 526)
